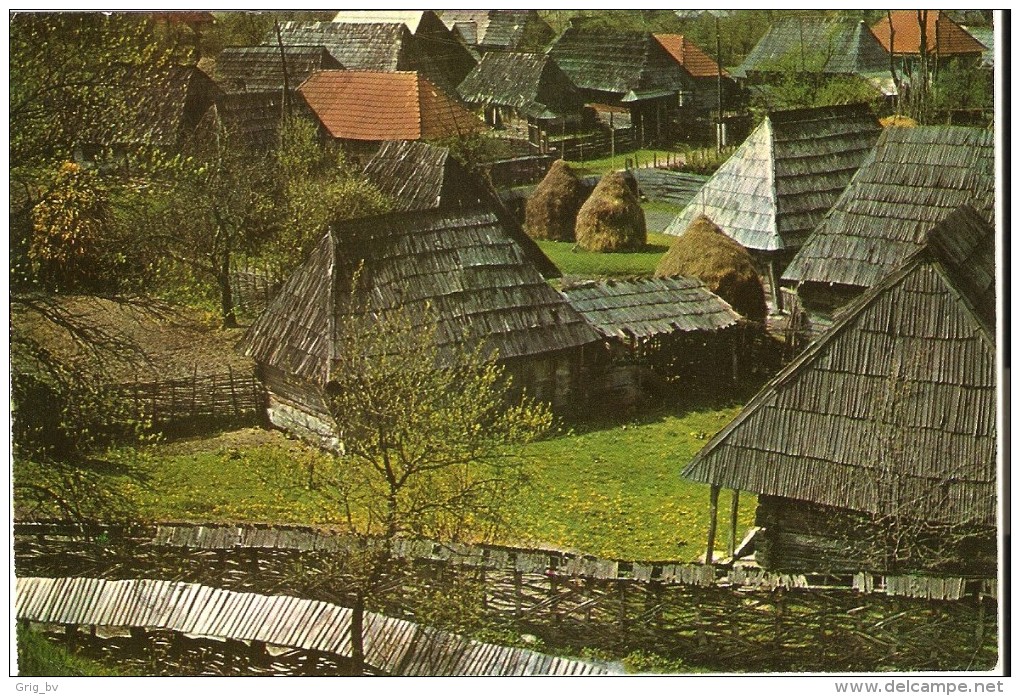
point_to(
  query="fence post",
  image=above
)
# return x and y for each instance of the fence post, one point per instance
(233, 394)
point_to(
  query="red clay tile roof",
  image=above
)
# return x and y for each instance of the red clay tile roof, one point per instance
(689, 56)
(361, 105)
(952, 38)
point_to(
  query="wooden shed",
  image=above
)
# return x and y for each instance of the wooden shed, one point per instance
(912, 180)
(262, 68)
(475, 279)
(875, 450)
(773, 191)
(524, 95)
(665, 334)
(499, 30)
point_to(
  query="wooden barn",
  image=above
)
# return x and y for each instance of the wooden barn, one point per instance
(262, 68)
(364, 109)
(912, 180)
(525, 96)
(386, 41)
(819, 46)
(476, 280)
(709, 82)
(663, 334)
(499, 30)
(625, 69)
(875, 450)
(773, 191)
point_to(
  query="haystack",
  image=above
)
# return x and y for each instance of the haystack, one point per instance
(704, 251)
(552, 209)
(611, 219)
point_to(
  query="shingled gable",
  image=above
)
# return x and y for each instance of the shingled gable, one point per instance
(823, 429)
(377, 106)
(913, 178)
(260, 68)
(421, 176)
(773, 191)
(475, 278)
(531, 83)
(815, 44)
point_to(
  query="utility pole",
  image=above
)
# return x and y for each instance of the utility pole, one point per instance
(284, 107)
(720, 135)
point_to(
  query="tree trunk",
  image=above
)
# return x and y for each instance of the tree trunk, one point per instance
(226, 295)
(358, 635)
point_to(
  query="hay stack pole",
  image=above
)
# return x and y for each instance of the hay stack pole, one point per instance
(611, 219)
(552, 209)
(704, 251)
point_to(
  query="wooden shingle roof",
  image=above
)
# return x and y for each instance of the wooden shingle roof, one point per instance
(689, 55)
(528, 82)
(361, 105)
(409, 18)
(616, 62)
(891, 412)
(380, 46)
(905, 34)
(260, 68)
(422, 176)
(773, 191)
(461, 265)
(502, 29)
(816, 44)
(914, 178)
(641, 308)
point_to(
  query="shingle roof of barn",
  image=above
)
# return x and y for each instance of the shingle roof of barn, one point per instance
(645, 307)
(496, 28)
(529, 82)
(892, 411)
(259, 68)
(690, 56)
(830, 46)
(253, 116)
(779, 183)
(906, 34)
(617, 62)
(462, 265)
(361, 105)
(420, 176)
(912, 179)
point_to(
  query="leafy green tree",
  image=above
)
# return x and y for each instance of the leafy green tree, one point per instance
(431, 442)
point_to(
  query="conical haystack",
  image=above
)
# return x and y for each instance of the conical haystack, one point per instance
(611, 219)
(704, 251)
(552, 209)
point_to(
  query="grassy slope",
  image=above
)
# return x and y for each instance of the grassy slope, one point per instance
(612, 491)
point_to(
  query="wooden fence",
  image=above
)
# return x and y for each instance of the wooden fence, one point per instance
(519, 171)
(392, 646)
(230, 395)
(763, 627)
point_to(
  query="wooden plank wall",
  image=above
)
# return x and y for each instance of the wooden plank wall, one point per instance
(393, 646)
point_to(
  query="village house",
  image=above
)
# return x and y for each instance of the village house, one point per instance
(913, 179)
(813, 47)
(627, 74)
(261, 68)
(772, 192)
(665, 336)
(525, 96)
(460, 269)
(875, 449)
(499, 30)
(942, 40)
(364, 109)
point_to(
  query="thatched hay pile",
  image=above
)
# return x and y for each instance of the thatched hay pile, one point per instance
(898, 121)
(552, 209)
(704, 251)
(611, 219)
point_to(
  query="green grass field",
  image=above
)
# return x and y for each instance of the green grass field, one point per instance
(610, 164)
(38, 657)
(576, 262)
(610, 491)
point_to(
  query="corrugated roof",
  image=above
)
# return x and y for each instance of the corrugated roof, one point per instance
(618, 62)
(892, 411)
(420, 176)
(913, 179)
(779, 183)
(906, 34)
(360, 105)
(689, 55)
(528, 82)
(815, 44)
(260, 68)
(462, 265)
(645, 307)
